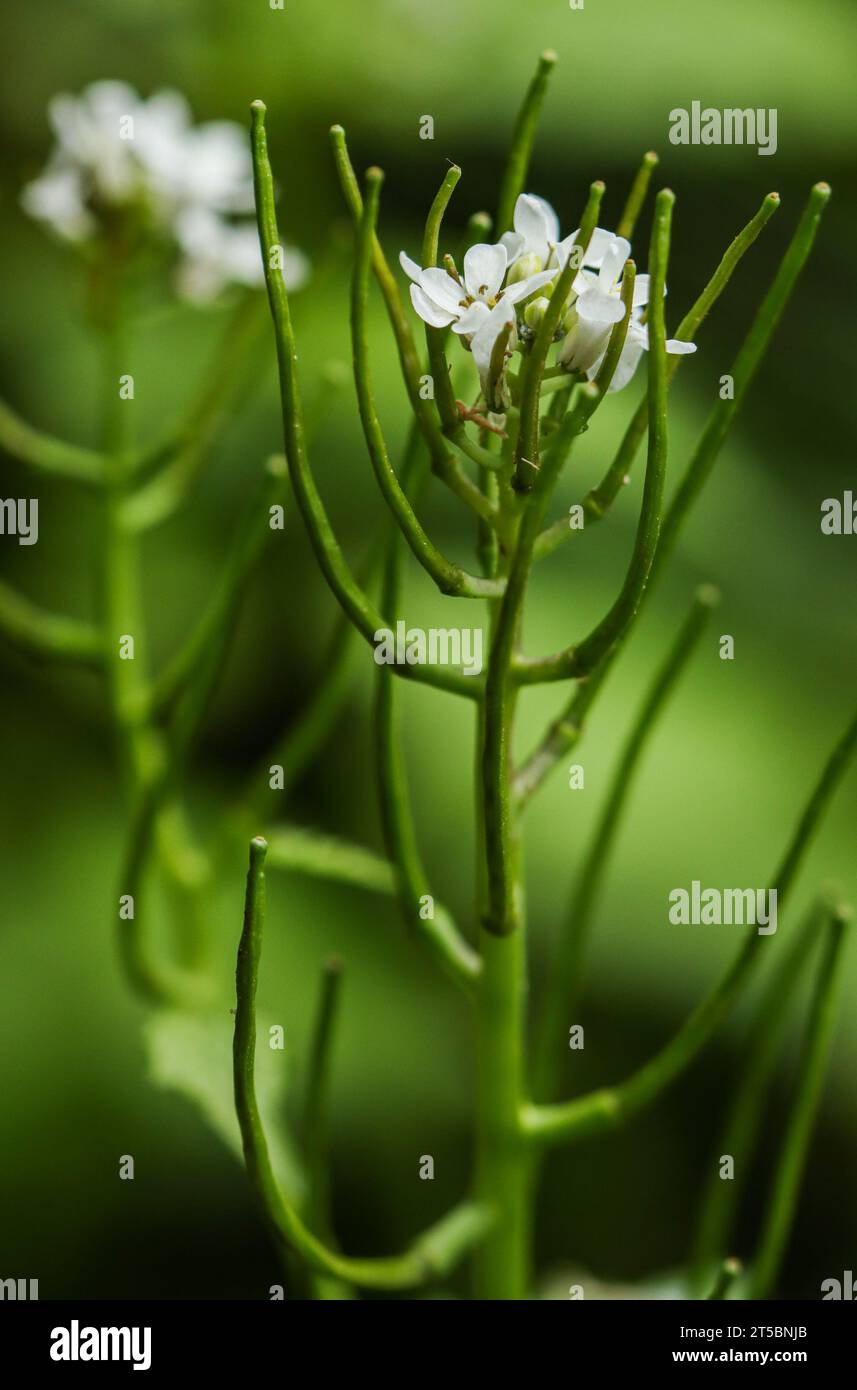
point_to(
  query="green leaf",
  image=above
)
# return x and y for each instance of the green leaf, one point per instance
(192, 1054)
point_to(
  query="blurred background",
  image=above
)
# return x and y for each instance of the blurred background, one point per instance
(725, 773)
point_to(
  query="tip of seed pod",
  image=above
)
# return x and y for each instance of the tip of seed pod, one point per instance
(708, 595)
(276, 465)
(823, 188)
(733, 1266)
(258, 848)
(258, 105)
(337, 129)
(374, 174)
(650, 157)
(772, 198)
(598, 183)
(549, 56)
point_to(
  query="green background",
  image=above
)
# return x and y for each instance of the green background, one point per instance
(725, 773)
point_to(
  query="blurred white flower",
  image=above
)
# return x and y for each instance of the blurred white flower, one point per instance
(116, 152)
(217, 253)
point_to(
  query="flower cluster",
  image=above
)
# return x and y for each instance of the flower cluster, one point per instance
(499, 292)
(117, 153)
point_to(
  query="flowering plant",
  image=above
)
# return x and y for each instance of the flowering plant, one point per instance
(493, 313)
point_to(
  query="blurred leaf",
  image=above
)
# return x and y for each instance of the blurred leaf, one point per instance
(192, 1054)
(324, 856)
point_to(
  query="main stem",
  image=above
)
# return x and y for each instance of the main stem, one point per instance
(502, 1262)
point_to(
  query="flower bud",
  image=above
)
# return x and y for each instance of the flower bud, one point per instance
(535, 312)
(524, 267)
(570, 320)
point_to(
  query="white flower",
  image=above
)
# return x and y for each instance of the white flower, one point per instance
(636, 343)
(598, 307)
(442, 301)
(56, 197)
(482, 343)
(116, 151)
(536, 234)
(217, 253)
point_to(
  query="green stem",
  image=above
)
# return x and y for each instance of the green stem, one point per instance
(438, 930)
(449, 578)
(227, 380)
(565, 984)
(567, 728)
(802, 1112)
(600, 499)
(217, 622)
(727, 1275)
(52, 456)
(745, 367)
(431, 1256)
(583, 658)
(527, 446)
(444, 465)
(352, 598)
(500, 689)
(436, 337)
(48, 636)
(523, 138)
(746, 1104)
(315, 1124)
(611, 1107)
(501, 1262)
(637, 196)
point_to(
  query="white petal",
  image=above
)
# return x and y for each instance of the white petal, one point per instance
(550, 218)
(56, 197)
(440, 287)
(599, 244)
(482, 342)
(514, 244)
(484, 268)
(562, 250)
(583, 346)
(599, 309)
(532, 224)
(584, 281)
(522, 288)
(626, 366)
(679, 349)
(429, 312)
(472, 318)
(641, 291)
(411, 269)
(614, 259)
